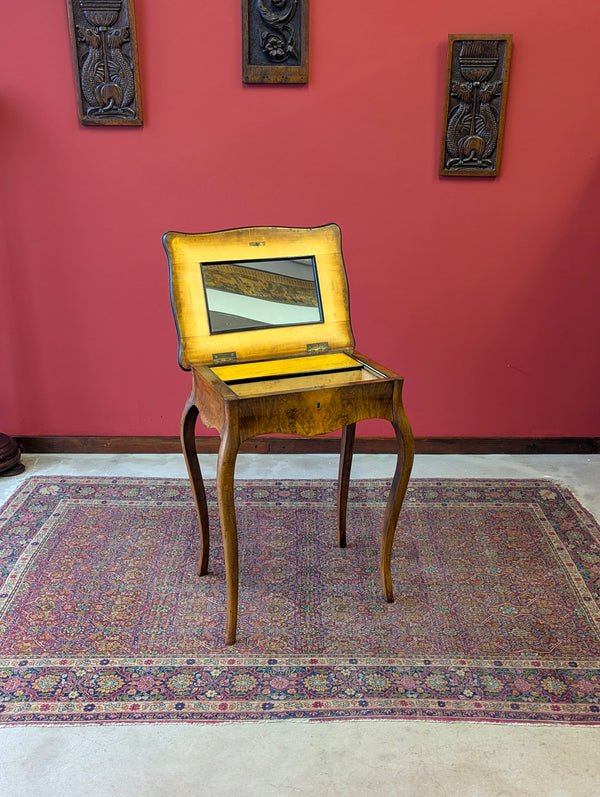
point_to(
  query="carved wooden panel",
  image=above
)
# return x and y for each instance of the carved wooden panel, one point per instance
(475, 102)
(104, 47)
(275, 41)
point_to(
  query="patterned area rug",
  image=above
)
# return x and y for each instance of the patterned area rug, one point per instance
(103, 618)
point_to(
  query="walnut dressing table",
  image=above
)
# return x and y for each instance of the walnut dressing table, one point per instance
(262, 315)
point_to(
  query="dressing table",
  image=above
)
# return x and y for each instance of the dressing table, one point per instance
(263, 321)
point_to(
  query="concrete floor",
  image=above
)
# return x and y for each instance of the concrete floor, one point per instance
(416, 759)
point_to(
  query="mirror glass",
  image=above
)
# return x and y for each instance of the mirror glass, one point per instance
(252, 294)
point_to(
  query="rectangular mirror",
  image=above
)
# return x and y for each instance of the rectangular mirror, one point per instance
(243, 295)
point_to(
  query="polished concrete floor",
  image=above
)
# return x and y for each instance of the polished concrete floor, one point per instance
(416, 759)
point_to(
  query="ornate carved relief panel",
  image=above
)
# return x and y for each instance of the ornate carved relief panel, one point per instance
(104, 47)
(275, 41)
(475, 102)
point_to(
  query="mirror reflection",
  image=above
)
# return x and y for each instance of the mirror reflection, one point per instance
(251, 294)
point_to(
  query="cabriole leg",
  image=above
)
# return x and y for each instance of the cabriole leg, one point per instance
(225, 492)
(406, 452)
(347, 448)
(188, 444)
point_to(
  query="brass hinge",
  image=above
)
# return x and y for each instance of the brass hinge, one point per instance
(224, 357)
(317, 348)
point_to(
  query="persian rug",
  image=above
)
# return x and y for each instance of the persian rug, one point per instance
(104, 619)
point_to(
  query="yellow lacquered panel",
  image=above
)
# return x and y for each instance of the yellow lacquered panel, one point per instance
(287, 384)
(286, 367)
(187, 251)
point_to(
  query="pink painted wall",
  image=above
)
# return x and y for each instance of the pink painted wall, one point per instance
(484, 293)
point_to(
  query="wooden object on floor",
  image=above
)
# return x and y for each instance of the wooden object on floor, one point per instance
(263, 366)
(10, 455)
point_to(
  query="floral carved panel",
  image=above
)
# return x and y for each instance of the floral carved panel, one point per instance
(104, 48)
(475, 104)
(275, 41)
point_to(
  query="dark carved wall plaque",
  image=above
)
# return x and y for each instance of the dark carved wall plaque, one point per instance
(475, 102)
(275, 41)
(104, 46)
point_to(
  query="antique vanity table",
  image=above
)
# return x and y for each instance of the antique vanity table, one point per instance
(263, 320)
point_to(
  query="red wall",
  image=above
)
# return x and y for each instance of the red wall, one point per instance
(484, 293)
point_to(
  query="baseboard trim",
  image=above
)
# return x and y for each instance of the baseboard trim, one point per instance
(311, 445)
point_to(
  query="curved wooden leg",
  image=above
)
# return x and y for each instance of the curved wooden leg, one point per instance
(188, 444)
(348, 434)
(225, 473)
(406, 452)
